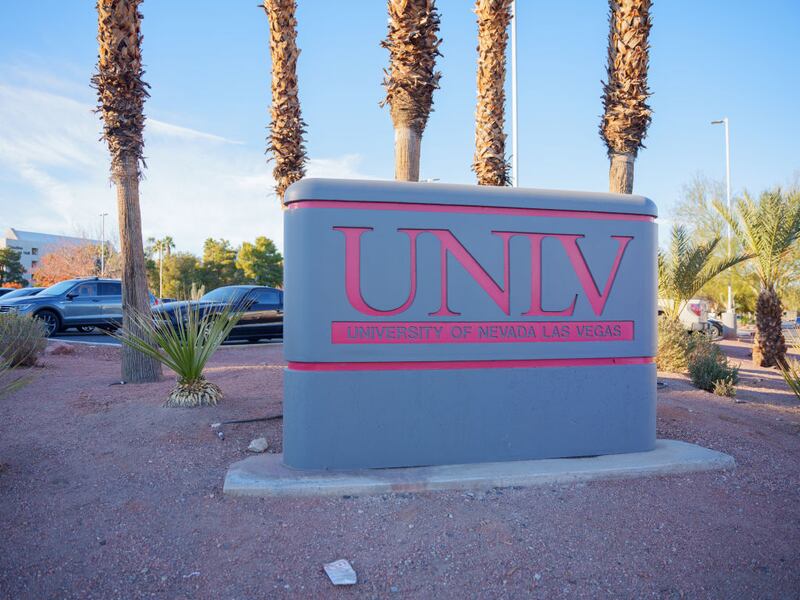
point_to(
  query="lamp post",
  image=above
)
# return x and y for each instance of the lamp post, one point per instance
(729, 316)
(103, 244)
(160, 269)
(514, 136)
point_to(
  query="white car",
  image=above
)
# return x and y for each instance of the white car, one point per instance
(694, 315)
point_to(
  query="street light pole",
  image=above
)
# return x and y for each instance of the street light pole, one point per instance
(103, 244)
(514, 136)
(160, 269)
(729, 317)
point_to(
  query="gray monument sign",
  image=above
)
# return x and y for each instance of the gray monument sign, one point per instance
(431, 324)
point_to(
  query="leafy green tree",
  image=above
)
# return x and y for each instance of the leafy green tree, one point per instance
(11, 269)
(261, 263)
(769, 229)
(219, 264)
(181, 270)
(687, 267)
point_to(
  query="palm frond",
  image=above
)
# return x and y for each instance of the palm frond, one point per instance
(769, 229)
(688, 267)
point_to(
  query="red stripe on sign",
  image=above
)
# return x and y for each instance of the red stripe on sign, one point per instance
(467, 209)
(469, 364)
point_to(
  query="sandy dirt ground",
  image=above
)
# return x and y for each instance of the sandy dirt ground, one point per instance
(105, 494)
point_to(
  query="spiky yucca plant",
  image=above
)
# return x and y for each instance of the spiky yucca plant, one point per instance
(121, 94)
(627, 114)
(791, 371)
(413, 46)
(286, 126)
(687, 267)
(184, 343)
(769, 229)
(490, 164)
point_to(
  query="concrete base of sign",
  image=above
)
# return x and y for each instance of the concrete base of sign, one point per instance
(266, 475)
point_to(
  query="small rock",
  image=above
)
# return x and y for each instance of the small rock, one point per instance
(258, 445)
(340, 572)
(394, 589)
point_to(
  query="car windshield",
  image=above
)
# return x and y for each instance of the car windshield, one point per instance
(226, 295)
(17, 293)
(57, 289)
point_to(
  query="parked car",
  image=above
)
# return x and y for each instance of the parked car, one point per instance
(694, 315)
(263, 310)
(716, 327)
(22, 293)
(80, 303)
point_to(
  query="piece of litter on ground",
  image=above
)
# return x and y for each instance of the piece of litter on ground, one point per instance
(340, 572)
(258, 445)
(192, 574)
(216, 425)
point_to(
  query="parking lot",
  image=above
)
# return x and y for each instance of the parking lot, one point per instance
(97, 337)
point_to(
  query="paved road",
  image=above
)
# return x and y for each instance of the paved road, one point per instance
(101, 338)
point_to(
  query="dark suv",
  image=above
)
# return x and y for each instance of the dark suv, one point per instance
(81, 303)
(261, 306)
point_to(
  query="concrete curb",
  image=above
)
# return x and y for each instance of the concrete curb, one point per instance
(265, 475)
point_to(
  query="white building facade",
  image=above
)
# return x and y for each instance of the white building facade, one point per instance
(33, 245)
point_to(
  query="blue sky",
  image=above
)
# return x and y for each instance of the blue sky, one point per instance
(208, 65)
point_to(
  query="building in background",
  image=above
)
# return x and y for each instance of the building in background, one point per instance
(32, 245)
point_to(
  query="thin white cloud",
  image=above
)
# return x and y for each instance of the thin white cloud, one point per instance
(54, 174)
(154, 126)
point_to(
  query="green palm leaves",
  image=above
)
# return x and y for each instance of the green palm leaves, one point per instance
(768, 229)
(687, 267)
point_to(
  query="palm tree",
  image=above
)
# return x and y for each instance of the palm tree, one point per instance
(686, 268)
(413, 46)
(287, 126)
(121, 93)
(490, 163)
(769, 229)
(627, 115)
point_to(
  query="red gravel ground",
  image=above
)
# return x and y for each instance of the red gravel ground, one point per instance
(105, 494)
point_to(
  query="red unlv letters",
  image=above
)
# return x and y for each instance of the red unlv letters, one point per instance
(451, 246)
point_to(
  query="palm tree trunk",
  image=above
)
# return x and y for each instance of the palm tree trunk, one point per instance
(286, 125)
(413, 46)
(121, 92)
(769, 345)
(407, 144)
(620, 174)
(625, 92)
(490, 163)
(136, 367)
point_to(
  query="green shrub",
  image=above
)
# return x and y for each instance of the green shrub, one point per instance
(708, 365)
(184, 343)
(673, 346)
(22, 340)
(725, 387)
